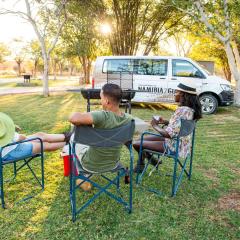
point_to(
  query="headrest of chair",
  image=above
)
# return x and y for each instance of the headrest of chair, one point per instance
(187, 127)
(104, 137)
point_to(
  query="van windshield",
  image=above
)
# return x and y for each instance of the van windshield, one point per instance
(202, 68)
(184, 68)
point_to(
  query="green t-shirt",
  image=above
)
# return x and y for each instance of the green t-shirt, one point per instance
(100, 159)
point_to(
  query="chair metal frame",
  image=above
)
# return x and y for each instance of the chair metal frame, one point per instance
(187, 128)
(101, 138)
(16, 169)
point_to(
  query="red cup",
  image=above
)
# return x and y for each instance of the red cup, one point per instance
(67, 166)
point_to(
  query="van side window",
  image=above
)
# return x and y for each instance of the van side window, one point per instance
(117, 65)
(183, 68)
(151, 67)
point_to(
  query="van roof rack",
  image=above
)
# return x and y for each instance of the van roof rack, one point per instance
(124, 79)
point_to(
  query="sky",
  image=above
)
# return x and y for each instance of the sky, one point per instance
(12, 26)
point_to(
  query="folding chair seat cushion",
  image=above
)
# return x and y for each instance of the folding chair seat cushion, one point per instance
(117, 168)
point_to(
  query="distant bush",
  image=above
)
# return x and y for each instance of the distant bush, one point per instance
(7, 74)
(31, 84)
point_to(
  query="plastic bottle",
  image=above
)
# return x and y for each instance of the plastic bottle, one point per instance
(127, 177)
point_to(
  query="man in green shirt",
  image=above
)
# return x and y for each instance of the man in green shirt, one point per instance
(95, 159)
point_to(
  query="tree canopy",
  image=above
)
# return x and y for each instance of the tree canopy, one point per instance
(4, 52)
(139, 22)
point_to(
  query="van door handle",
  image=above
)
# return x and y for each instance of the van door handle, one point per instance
(173, 78)
(162, 78)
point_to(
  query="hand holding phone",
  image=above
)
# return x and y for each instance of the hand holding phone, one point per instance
(156, 118)
(17, 128)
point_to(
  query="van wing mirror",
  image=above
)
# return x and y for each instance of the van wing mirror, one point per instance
(198, 74)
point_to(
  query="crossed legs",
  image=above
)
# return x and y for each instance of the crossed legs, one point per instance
(51, 142)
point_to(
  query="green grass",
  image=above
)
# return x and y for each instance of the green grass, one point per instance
(38, 83)
(202, 209)
(7, 85)
(7, 76)
(52, 83)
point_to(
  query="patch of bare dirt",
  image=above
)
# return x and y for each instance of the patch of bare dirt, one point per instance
(212, 174)
(221, 219)
(230, 201)
(235, 170)
(224, 118)
(230, 118)
(214, 133)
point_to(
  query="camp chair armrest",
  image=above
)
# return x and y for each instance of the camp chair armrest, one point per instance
(154, 134)
(150, 133)
(22, 141)
(128, 144)
(163, 125)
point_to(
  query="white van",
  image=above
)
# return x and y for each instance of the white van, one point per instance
(156, 79)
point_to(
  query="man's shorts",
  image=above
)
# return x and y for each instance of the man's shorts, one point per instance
(80, 150)
(22, 150)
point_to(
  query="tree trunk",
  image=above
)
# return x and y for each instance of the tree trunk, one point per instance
(236, 54)
(61, 68)
(55, 69)
(71, 69)
(35, 67)
(19, 69)
(86, 64)
(89, 65)
(234, 71)
(45, 76)
(237, 93)
(227, 72)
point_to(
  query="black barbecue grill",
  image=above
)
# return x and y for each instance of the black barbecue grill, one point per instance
(93, 93)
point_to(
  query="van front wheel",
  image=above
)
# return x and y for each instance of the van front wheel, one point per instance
(209, 103)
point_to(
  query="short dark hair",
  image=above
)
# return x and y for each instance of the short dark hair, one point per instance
(112, 91)
(192, 101)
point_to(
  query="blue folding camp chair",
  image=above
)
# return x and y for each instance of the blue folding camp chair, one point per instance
(187, 128)
(26, 162)
(98, 138)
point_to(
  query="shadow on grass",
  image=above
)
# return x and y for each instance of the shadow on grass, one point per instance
(100, 219)
(192, 214)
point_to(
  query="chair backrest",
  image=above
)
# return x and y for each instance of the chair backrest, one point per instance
(187, 127)
(96, 137)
